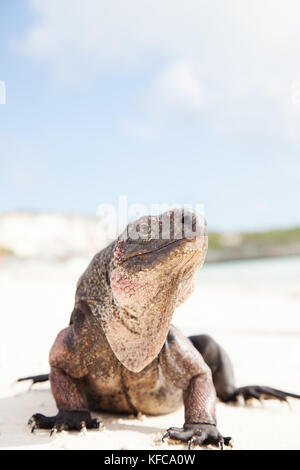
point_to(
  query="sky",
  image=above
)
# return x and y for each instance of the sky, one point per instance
(194, 102)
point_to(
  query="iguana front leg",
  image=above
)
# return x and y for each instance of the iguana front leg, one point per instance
(184, 367)
(66, 375)
(200, 419)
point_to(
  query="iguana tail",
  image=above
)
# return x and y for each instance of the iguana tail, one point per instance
(35, 378)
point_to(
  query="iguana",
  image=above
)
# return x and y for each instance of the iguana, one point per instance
(120, 352)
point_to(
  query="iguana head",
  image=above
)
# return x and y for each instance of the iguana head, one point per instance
(155, 260)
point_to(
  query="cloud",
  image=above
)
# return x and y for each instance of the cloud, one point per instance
(176, 89)
(232, 61)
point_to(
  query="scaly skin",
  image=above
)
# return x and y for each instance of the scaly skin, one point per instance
(120, 352)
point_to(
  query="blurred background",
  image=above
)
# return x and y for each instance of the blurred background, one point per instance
(164, 102)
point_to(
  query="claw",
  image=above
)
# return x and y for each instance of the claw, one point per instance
(289, 405)
(83, 430)
(262, 401)
(190, 442)
(53, 431)
(240, 400)
(167, 434)
(221, 444)
(32, 423)
(100, 425)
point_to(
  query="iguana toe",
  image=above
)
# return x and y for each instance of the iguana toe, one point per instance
(259, 393)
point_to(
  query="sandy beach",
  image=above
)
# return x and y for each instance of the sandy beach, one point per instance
(251, 308)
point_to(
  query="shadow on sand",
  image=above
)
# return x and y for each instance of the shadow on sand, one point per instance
(15, 412)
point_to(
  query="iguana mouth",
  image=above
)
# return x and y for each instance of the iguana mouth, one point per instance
(149, 252)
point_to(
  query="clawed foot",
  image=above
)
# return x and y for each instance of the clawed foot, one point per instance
(198, 434)
(68, 420)
(259, 393)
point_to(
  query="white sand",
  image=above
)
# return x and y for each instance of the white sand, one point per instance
(251, 308)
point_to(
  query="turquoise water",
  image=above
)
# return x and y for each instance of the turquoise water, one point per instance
(285, 269)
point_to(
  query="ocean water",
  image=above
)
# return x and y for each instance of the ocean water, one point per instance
(282, 270)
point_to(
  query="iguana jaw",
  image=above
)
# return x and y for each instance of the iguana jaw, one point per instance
(160, 248)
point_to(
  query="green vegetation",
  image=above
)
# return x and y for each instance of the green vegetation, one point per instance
(215, 241)
(226, 246)
(278, 237)
(271, 237)
(6, 251)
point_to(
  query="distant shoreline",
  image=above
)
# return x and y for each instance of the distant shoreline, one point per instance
(257, 245)
(48, 236)
(248, 258)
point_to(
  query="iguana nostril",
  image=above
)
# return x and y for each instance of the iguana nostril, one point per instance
(189, 222)
(186, 219)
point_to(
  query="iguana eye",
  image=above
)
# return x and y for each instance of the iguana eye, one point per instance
(144, 230)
